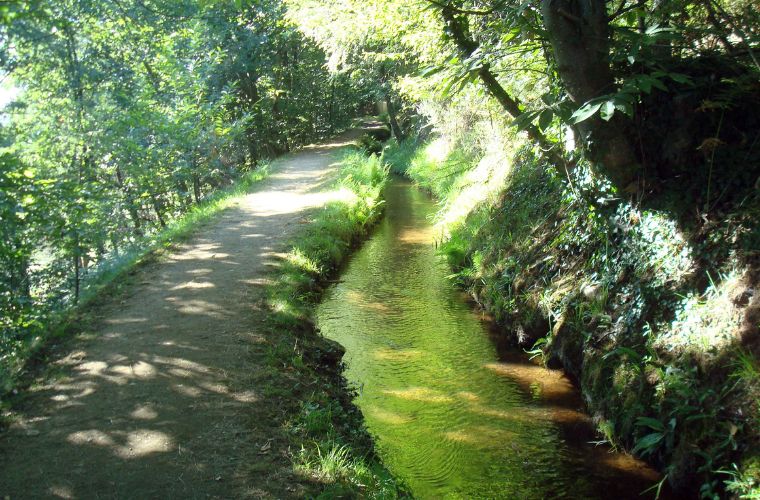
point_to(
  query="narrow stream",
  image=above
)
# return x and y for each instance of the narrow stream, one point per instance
(454, 415)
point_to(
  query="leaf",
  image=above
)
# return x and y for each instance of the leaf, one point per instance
(525, 120)
(656, 83)
(623, 350)
(548, 99)
(652, 423)
(545, 119)
(431, 70)
(585, 112)
(680, 78)
(644, 84)
(607, 110)
(648, 444)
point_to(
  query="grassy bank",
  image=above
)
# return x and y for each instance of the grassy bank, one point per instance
(330, 450)
(656, 318)
(54, 322)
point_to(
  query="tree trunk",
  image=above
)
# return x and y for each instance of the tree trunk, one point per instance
(75, 261)
(20, 283)
(331, 108)
(131, 207)
(250, 96)
(196, 189)
(158, 208)
(395, 127)
(579, 33)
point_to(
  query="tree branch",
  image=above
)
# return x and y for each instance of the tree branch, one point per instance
(621, 10)
(467, 46)
(450, 7)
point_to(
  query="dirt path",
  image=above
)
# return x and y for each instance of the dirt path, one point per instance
(160, 402)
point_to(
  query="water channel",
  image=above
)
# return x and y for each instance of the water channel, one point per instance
(454, 414)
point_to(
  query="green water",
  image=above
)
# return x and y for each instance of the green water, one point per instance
(455, 416)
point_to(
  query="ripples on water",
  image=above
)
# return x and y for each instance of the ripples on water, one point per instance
(452, 416)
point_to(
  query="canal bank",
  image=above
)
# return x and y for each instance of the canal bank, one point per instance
(453, 413)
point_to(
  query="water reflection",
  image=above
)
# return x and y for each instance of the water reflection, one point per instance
(455, 417)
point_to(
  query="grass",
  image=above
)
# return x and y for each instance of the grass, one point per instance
(112, 275)
(331, 454)
(329, 237)
(614, 294)
(176, 231)
(331, 451)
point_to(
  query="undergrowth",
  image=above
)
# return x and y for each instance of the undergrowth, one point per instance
(652, 314)
(329, 446)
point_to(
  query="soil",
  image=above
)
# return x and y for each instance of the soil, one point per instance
(162, 399)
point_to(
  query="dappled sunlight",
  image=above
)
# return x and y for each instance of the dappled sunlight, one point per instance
(245, 396)
(624, 462)
(551, 388)
(200, 271)
(359, 299)
(144, 412)
(707, 324)
(187, 390)
(570, 417)
(422, 394)
(73, 391)
(386, 416)
(90, 437)
(390, 354)
(61, 491)
(117, 374)
(129, 445)
(180, 372)
(198, 307)
(162, 386)
(140, 369)
(204, 251)
(432, 387)
(468, 396)
(481, 436)
(481, 183)
(182, 363)
(252, 235)
(525, 415)
(144, 442)
(193, 285)
(218, 388)
(124, 321)
(414, 236)
(181, 345)
(271, 203)
(541, 383)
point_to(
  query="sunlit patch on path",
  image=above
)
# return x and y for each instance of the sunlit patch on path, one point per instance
(161, 403)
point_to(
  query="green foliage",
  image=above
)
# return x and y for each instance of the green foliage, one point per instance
(128, 117)
(328, 239)
(370, 145)
(608, 290)
(334, 450)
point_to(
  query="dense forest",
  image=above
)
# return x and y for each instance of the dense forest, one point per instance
(596, 161)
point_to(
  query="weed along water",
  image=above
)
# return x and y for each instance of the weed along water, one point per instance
(454, 415)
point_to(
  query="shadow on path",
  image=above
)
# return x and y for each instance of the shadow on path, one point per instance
(159, 403)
